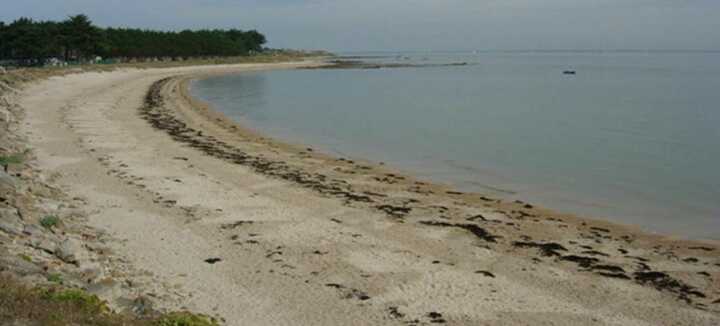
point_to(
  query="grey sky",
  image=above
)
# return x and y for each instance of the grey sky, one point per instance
(416, 24)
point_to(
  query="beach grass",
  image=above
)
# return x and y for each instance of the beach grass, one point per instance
(58, 306)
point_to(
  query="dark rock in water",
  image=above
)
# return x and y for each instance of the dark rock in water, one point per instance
(547, 249)
(569, 72)
(213, 261)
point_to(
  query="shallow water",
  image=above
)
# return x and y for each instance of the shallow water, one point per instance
(632, 137)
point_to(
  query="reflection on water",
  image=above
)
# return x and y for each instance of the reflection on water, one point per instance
(632, 137)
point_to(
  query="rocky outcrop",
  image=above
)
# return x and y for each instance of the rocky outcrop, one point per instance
(44, 237)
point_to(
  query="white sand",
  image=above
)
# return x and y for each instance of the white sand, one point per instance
(86, 129)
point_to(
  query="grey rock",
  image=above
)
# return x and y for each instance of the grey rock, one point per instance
(10, 221)
(18, 265)
(44, 244)
(70, 251)
(8, 184)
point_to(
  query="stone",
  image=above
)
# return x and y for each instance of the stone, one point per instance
(70, 251)
(10, 221)
(7, 183)
(44, 244)
(18, 265)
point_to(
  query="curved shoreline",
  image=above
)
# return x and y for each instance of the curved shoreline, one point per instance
(205, 109)
(263, 232)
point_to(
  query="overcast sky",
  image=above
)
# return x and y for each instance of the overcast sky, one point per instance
(339, 25)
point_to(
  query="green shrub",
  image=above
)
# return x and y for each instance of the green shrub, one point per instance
(86, 302)
(55, 278)
(184, 319)
(50, 221)
(12, 159)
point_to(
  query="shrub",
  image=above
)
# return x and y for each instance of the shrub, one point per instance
(55, 278)
(185, 319)
(25, 258)
(12, 159)
(50, 221)
(78, 298)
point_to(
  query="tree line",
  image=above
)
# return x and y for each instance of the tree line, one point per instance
(30, 42)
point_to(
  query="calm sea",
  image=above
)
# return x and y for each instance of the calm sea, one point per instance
(633, 137)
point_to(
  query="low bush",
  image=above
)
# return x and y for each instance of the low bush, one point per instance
(50, 221)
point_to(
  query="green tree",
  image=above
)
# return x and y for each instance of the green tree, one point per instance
(80, 38)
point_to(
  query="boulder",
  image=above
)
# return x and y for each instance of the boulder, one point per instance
(10, 221)
(18, 265)
(70, 251)
(8, 184)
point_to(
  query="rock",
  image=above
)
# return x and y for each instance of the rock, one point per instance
(45, 244)
(141, 306)
(18, 265)
(48, 206)
(10, 221)
(91, 273)
(7, 183)
(70, 251)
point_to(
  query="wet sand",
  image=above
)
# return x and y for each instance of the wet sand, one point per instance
(261, 232)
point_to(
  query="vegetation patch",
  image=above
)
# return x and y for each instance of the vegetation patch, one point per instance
(78, 298)
(50, 221)
(55, 278)
(57, 306)
(185, 319)
(11, 159)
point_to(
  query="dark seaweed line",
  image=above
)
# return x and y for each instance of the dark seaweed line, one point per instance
(161, 118)
(658, 280)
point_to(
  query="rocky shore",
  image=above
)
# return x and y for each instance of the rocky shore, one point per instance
(121, 184)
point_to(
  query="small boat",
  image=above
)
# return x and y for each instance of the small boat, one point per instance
(569, 72)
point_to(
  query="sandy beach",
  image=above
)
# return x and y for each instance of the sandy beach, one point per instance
(208, 216)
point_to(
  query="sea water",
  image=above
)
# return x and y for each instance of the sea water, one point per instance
(632, 137)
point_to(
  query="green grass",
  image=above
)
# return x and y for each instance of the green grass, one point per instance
(58, 306)
(11, 159)
(78, 298)
(50, 221)
(184, 319)
(55, 278)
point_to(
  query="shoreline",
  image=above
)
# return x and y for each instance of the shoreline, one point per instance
(297, 235)
(208, 112)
